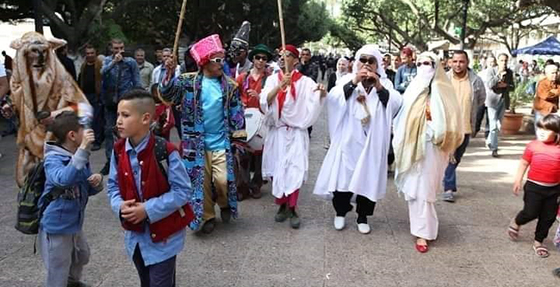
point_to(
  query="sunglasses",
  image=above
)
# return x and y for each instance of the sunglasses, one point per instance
(217, 60)
(426, 63)
(287, 54)
(259, 58)
(370, 61)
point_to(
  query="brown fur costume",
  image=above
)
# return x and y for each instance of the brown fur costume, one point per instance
(39, 83)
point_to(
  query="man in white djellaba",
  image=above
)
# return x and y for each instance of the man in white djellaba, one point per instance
(291, 103)
(428, 129)
(361, 111)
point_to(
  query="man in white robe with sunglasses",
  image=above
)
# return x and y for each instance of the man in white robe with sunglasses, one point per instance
(361, 109)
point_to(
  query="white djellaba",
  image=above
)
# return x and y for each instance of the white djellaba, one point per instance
(360, 135)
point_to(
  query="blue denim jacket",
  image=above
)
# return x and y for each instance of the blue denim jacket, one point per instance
(157, 208)
(129, 76)
(65, 215)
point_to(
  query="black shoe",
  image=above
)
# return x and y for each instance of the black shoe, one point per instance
(77, 284)
(225, 214)
(282, 214)
(95, 147)
(294, 219)
(495, 153)
(105, 169)
(208, 226)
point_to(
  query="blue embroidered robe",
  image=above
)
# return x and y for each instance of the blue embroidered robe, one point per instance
(185, 90)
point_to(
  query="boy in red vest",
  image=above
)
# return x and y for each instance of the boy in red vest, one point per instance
(149, 199)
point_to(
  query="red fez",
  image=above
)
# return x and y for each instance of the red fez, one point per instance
(407, 51)
(292, 49)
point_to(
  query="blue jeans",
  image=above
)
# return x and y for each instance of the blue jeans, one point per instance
(110, 122)
(495, 116)
(450, 178)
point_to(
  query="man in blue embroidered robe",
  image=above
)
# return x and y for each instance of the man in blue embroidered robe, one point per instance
(212, 117)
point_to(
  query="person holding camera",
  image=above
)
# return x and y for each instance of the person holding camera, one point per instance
(361, 110)
(500, 81)
(119, 75)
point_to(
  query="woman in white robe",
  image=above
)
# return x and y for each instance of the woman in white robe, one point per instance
(360, 119)
(286, 147)
(427, 130)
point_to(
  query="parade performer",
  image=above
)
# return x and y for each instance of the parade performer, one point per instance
(250, 86)
(427, 129)
(291, 103)
(361, 111)
(212, 117)
(41, 89)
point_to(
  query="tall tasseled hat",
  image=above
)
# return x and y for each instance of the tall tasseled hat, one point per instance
(241, 39)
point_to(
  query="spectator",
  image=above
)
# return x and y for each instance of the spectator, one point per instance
(341, 70)
(7, 61)
(90, 83)
(119, 75)
(500, 81)
(159, 56)
(4, 88)
(62, 54)
(406, 72)
(546, 99)
(160, 71)
(387, 66)
(306, 66)
(145, 68)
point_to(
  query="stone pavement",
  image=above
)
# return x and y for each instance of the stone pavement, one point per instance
(472, 249)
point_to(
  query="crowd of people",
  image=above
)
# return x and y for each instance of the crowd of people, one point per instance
(244, 118)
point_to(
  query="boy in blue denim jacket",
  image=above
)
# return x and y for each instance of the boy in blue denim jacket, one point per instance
(63, 246)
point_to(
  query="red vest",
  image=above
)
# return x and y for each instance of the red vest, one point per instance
(154, 183)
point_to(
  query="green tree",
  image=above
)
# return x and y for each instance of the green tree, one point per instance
(75, 21)
(416, 22)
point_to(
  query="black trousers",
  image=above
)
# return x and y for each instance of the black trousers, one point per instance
(541, 203)
(341, 204)
(158, 275)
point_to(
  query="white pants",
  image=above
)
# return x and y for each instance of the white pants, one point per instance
(64, 257)
(423, 219)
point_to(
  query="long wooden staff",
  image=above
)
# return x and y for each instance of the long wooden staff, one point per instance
(282, 35)
(178, 33)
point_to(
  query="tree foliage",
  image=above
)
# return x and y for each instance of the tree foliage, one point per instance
(417, 22)
(155, 21)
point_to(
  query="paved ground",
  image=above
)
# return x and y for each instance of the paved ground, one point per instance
(472, 248)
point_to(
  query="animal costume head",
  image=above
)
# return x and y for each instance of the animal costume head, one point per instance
(39, 83)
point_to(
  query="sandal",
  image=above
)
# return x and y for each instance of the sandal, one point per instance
(541, 251)
(513, 233)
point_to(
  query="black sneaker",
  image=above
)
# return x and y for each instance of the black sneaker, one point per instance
(294, 219)
(495, 153)
(225, 214)
(208, 226)
(105, 169)
(77, 284)
(282, 214)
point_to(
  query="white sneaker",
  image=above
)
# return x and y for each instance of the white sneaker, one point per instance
(339, 222)
(364, 228)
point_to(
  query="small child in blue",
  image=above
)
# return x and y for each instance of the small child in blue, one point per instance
(150, 201)
(63, 245)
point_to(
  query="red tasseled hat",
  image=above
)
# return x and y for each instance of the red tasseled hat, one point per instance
(292, 49)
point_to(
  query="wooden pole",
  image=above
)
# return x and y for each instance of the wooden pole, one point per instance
(282, 35)
(178, 32)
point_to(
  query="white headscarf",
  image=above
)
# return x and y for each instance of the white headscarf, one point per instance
(338, 73)
(370, 50)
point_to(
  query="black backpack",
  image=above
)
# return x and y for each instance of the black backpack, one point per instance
(28, 211)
